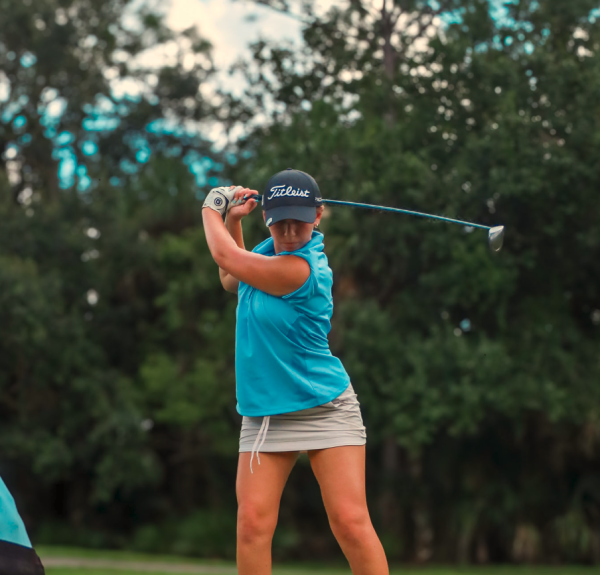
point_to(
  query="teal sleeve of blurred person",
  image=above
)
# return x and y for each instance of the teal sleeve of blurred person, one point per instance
(17, 557)
(12, 528)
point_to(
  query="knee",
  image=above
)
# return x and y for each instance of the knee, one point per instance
(255, 524)
(351, 524)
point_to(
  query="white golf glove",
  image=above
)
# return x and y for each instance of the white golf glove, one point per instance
(220, 199)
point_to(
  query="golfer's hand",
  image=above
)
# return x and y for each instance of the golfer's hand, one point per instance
(237, 208)
(219, 199)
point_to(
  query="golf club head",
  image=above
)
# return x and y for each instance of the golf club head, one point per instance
(496, 238)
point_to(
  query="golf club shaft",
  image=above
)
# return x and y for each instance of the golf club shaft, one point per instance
(396, 210)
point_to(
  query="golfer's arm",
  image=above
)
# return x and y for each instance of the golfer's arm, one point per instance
(274, 275)
(234, 226)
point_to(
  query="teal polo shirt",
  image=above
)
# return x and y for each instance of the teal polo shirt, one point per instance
(282, 357)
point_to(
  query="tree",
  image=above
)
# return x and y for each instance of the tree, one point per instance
(452, 351)
(95, 189)
(80, 103)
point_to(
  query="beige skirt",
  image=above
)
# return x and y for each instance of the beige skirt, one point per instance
(333, 424)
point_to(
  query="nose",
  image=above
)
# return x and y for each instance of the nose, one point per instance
(287, 229)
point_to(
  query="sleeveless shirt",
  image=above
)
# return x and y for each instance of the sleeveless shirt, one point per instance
(282, 357)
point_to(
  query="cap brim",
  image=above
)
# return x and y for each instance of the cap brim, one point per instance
(307, 214)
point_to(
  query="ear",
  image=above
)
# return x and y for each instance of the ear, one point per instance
(320, 210)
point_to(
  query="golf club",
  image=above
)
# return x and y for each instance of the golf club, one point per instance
(495, 233)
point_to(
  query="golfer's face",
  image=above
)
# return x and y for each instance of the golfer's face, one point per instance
(290, 235)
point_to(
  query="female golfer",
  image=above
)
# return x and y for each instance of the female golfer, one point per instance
(295, 396)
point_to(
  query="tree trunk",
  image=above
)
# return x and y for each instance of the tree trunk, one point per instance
(421, 516)
(388, 504)
(389, 54)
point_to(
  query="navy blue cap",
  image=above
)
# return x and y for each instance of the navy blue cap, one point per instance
(291, 194)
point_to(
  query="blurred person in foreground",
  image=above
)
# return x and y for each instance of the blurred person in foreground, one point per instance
(17, 557)
(294, 395)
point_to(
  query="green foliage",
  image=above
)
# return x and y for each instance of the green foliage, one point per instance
(81, 104)
(476, 369)
(476, 372)
(203, 534)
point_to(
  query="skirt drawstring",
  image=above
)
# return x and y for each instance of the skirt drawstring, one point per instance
(262, 431)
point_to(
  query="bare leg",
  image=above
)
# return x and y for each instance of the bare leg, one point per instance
(340, 472)
(258, 496)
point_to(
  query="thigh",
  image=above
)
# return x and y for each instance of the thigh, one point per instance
(340, 472)
(263, 488)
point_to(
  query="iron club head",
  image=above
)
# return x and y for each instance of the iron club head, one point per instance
(496, 238)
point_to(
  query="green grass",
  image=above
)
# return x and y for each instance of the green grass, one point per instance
(75, 570)
(285, 569)
(82, 553)
(296, 570)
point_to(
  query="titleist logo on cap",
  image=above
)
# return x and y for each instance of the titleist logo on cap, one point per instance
(279, 191)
